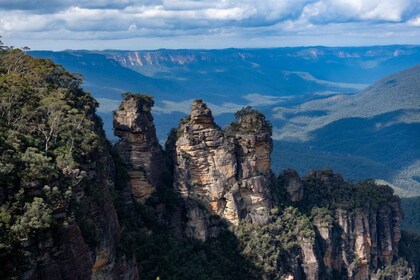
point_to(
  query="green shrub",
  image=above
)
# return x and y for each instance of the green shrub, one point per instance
(36, 217)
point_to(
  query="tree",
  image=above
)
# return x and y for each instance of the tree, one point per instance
(37, 165)
(37, 216)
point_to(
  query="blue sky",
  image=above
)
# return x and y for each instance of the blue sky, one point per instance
(153, 24)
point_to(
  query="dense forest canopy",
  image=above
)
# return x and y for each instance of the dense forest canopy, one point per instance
(47, 125)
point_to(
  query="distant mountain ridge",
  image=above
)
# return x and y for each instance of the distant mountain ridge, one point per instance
(169, 57)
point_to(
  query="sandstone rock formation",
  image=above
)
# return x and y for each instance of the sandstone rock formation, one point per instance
(226, 172)
(253, 146)
(138, 146)
(369, 240)
(360, 241)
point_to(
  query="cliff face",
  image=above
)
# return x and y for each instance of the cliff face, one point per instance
(369, 240)
(227, 173)
(357, 242)
(253, 147)
(138, 146)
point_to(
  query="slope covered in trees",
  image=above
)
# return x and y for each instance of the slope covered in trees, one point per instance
(52, 150)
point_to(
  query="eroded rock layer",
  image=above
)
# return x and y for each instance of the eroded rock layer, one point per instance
(138, 146)
(357, 241)
(226, 172)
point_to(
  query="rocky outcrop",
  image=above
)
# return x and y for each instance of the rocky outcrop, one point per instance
(310, 263)
(138, 146)
(228, 173)
(204, 170)
(369, 240)
(357, 242)
(291, 181)
(253, 146)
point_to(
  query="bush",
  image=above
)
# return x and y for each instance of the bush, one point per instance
(37, 217)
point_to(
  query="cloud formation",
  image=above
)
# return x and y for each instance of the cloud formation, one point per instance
(233, 19)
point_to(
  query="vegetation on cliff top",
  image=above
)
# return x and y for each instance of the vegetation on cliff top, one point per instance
(249, 120)
(268, 246)
(145, 102)
(350, 196)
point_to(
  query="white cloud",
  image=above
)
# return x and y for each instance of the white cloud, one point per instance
(358, 10)
(225, 20)
(414, 21)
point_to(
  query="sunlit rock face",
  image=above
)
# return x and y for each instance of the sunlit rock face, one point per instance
(138, 146)
(253, 146)
(227, 172)
(358, 242)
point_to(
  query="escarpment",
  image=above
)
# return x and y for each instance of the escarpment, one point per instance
(358, 226)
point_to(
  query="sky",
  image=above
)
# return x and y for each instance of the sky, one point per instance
(209, 24)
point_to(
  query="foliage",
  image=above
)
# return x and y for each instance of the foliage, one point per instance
(364, 195)
(248, 110)
(398, 270)
(249, 120)
(37, 165)
(268, 245)
(36, 216)
(145, 101)
(323, 217)
(48, 132)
